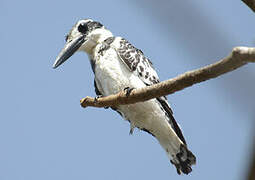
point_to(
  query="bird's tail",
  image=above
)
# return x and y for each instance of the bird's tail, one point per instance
(183, 160)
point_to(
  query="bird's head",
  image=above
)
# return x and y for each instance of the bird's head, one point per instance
(83, 36)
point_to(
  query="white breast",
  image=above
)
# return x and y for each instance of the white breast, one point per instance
(112, 75)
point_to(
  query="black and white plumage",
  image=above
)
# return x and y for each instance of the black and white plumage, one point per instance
(117, 65)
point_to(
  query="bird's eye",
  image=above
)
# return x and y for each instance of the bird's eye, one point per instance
(83, 28)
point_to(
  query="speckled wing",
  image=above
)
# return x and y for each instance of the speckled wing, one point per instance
(136, 62)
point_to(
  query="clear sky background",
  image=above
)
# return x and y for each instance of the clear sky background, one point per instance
(45, 134)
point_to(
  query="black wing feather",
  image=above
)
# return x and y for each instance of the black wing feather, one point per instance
(173, 122)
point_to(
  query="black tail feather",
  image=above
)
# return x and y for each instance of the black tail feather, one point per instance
(185, 160)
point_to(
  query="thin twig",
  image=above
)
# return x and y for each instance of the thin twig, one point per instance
(250, 4)
(238, 57)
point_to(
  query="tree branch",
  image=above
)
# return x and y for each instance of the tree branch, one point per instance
(237, 58)
(250, 4)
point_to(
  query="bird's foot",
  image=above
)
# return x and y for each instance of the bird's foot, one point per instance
(132, 127)
(128, 90)
(96, 99)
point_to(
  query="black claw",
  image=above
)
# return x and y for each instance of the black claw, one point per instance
(97, 97)
(128, 90)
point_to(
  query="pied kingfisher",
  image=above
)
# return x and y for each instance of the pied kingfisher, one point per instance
(118, 65)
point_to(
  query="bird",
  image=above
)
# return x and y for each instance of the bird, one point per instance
(118, 65)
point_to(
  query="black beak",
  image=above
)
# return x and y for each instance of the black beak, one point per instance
(69, 49)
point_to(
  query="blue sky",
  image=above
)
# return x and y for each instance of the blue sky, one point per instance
(45, 134)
